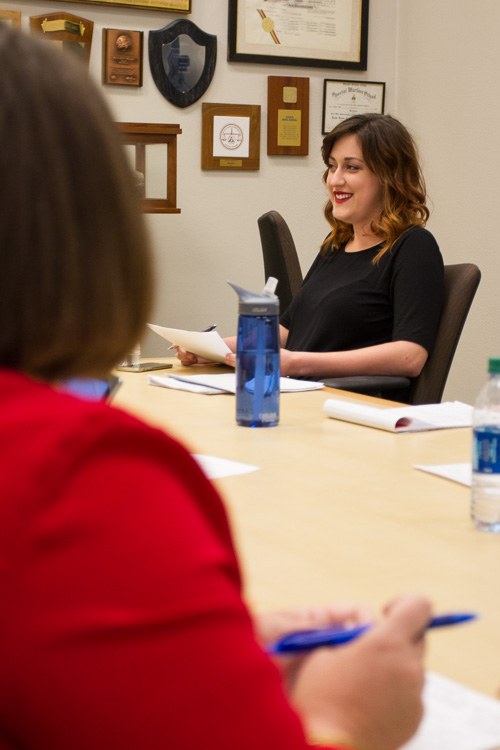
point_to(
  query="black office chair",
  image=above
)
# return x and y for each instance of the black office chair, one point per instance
(461, 281)
(280, 256)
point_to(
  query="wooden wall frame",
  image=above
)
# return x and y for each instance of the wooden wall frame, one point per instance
(141, 135)
(170, 6)
(236, 162)
(12, 17)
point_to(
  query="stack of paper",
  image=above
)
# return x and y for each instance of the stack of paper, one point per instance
(456, 718)
(224, 383)
(206, 344)
(402, 418)
(461, 473)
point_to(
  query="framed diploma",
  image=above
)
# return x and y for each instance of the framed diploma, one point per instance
(342, 99)
(174, 6)
(316, 33)
(230, 137)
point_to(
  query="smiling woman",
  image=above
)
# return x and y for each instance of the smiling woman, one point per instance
(371, 302)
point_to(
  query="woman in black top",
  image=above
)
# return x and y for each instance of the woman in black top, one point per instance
(371, 302)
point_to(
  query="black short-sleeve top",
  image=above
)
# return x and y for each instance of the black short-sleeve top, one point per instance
(347, 302)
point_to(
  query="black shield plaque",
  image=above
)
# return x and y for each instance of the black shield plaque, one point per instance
(182, 59)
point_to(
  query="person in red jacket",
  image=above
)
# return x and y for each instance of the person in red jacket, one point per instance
(123, 624)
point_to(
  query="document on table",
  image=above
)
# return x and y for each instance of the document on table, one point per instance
(215, 468)
(402, 418)
(456, 718)
(207, 344)
(225, 383)
(461, 473)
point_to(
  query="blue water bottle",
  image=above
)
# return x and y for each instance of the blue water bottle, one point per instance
(258, 357)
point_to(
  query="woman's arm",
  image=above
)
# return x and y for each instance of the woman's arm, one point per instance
(393, 358)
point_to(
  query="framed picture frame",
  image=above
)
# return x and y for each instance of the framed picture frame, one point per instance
(11, 17)
(141, 137)
(172, 6)
(230, 137)
(325, 34)
(342, 99)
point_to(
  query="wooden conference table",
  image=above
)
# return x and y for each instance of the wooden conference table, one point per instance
(337, 513)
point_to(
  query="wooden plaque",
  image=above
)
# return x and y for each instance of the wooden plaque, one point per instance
(122, 57)
(230, 137)
(66, 31)
(288, 116)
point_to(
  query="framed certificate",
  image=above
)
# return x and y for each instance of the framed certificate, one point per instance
(230, 137)
(317, 33)
(342, 99)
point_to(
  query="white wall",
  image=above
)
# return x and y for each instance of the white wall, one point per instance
(440, 65)
(448, 91)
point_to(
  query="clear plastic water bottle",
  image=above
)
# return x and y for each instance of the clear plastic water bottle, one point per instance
(258, 357)
(485, 497)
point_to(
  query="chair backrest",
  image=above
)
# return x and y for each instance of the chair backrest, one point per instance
(280, 256)
(460, 284)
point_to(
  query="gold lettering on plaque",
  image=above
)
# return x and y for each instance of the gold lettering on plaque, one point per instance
(289, 126)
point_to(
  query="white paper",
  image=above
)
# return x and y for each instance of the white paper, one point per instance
(461, 473)
(207, 344)
(215, 468)
(225, 383)
(402, 418)
(456, 718)
(231, 137)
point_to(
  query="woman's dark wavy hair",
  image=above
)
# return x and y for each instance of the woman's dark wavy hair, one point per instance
(75, 269)
(390, 152)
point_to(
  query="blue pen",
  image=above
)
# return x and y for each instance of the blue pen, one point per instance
(305, 640)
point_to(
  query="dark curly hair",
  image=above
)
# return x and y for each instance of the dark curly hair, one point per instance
(390, 152)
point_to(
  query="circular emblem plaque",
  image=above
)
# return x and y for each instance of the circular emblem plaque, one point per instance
(231, 136)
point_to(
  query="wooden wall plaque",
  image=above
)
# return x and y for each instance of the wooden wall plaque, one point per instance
(67, 31)
(230, 136)
(288, 116)
(122, 57)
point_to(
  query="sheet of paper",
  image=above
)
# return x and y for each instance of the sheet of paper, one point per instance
(215, 468)
(456, 718)
(225, 383)
(207, 344)
(461, 473)
(402, 418)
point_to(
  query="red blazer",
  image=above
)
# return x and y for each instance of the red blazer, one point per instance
(122, 625)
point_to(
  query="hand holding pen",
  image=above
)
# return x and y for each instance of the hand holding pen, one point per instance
(307, 640)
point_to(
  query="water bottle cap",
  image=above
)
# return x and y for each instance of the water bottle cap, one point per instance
(494, 365)
(251, 303)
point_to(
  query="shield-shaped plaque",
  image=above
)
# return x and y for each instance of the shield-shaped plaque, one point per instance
(182, 59)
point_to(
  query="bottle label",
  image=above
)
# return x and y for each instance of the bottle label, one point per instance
(486, 449)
